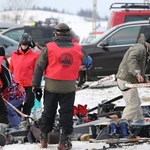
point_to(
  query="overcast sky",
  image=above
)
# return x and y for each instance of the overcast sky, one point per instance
(74, 6)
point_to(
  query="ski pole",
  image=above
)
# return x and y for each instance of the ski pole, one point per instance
(107, 102)
(17, 110)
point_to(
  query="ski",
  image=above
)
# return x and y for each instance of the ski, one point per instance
(17, 110)
(137, 85)
(120, 140)
(104, 80)
(84, 128)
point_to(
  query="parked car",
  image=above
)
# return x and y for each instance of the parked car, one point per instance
(107, 50)
(9, 44)
(6, 25)
(91, 37)
(127, 12)
(40, 34)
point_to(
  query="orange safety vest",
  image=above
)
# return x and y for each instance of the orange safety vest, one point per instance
(22, 66)
(63, 63)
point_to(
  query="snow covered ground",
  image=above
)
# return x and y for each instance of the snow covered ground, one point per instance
(91, 97)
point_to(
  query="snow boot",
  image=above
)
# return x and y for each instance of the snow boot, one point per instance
(43, 140)
(113, 130)
(64, 142)
(124, 129)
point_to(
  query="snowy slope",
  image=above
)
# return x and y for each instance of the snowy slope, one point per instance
(80, 25)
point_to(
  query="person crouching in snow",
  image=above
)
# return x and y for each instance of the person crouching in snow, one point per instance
(5, 81)
(14, 93)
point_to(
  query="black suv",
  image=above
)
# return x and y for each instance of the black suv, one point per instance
(40, 34)
(107, 50)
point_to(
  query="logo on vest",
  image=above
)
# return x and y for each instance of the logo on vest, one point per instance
(66, 60)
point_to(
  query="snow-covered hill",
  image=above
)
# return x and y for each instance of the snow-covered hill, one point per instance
(82, 26)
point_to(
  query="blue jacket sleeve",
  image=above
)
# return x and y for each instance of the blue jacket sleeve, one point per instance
(88, 62)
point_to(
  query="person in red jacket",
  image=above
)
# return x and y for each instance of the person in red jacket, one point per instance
(22, 64)
(60, 62)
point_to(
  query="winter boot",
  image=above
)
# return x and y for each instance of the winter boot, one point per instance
(43, 140)
(113, 130)
(64, 142)
(124, 129)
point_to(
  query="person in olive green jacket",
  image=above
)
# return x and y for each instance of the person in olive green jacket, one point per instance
(132, 70)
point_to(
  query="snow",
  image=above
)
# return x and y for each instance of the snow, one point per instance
(76, 146)
(91, 97)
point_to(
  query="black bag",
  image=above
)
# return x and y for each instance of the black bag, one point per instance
(6, 77)
(33, 135)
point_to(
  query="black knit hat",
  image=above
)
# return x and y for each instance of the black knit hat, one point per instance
(62, 27)
(25, 39)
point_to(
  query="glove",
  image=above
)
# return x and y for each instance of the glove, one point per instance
(38, 93)
(88, 62)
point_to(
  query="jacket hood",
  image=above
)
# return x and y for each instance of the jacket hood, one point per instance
(142, 39)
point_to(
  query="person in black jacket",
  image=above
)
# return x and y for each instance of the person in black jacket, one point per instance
(5, 81)
(60, 62)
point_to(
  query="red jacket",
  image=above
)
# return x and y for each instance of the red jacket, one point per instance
(63, 63)
(22, 66)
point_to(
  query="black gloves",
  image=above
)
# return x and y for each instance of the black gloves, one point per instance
(38, 93)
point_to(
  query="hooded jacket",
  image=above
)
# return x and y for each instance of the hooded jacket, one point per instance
(134, 61)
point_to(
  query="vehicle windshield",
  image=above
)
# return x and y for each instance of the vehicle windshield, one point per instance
(90, 38)
(100, 36)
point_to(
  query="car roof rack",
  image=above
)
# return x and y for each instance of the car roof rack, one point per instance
(128, 6)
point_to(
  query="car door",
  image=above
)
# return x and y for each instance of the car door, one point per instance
(8, 44)
(107, 57)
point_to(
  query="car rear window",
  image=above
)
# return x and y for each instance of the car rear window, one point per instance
(40, 32)
(136, 18)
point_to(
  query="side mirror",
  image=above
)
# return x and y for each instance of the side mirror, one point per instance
(104, 43)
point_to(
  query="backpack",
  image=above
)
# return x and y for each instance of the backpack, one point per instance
(14, 91)
(5, 75)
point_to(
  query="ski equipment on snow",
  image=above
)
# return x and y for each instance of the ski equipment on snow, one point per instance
(136, 85)
(120, 140)
(104, 80)
(17, 110)
(106, 102)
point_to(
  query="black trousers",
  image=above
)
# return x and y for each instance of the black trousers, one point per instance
(66, 103)
(3, 112)
(29, 101)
